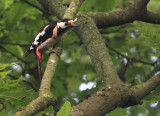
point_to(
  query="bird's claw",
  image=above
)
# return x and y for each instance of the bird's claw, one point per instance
(58, 53)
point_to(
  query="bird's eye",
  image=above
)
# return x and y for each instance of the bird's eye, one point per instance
(66, 24)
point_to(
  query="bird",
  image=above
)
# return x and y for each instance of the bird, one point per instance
(51, 30)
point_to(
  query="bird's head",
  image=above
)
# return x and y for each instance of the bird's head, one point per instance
(67, 23)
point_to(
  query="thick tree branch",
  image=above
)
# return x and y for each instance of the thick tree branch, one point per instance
(36, 105)
(118, 17)
(141, 4)
(102, 102)
(73, 8)
(97, 50)
(138, 92)
(143, 90)
(108, 98)
(150, 17)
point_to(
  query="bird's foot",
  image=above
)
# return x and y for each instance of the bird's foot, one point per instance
(58, 53)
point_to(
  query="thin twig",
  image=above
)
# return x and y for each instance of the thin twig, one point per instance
(122, 72)
(116, 30)
(66, 4)
(15, 55)
(34, 6)
(19, 44)
(25, 81)
(132, 59)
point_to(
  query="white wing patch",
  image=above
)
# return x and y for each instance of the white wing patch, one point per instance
(35, 42)
(37, 37)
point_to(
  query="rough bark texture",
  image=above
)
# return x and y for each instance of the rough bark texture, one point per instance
(97, 50)
(114, 93)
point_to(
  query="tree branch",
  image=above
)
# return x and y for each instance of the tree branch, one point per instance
(19, 44)
(97, 50)
(133, 59)
(140, 91)
(141, 4)
(34, 6)
(116, 30)
(122, 16)
(73, 8)
(108, 98)
(25, 81)
(54, 7)
(14, 55)
(122, 71)
(150, 17)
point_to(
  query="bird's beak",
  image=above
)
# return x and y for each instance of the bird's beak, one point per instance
(74, 25)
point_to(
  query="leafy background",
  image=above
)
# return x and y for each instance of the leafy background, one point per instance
(75, 77)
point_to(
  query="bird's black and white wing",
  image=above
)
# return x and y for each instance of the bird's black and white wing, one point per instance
(45, 33)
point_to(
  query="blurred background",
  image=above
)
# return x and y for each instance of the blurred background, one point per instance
(134, 49)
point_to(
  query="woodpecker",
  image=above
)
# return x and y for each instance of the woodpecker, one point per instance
(50, 30)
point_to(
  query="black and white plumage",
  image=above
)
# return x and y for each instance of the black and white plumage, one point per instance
(47, 32)
(52, 29)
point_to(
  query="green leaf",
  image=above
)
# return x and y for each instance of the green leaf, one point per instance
(14, 94)
(154, 96)
(3, 66)
(119, 111)
(65, 110)
(4, 74)
(90, 76)
(47, 110)
(2, 4)
(98, 5)
(59, 88)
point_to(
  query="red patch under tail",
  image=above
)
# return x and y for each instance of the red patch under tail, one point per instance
(39, 60)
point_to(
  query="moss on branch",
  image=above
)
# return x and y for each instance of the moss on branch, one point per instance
(36, 105)
(97, 50)
(140, 91)
(137, 11)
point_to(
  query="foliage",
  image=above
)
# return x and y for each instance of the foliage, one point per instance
(65, 110)
(13, 92)
(20, 23)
